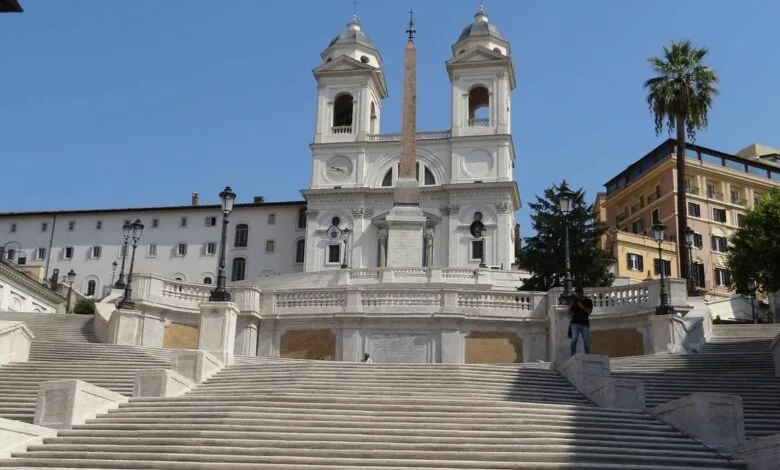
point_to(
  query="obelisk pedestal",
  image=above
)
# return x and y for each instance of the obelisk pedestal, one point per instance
(406, 222)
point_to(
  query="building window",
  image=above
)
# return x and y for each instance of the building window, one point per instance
(722, 277)
(241, 236)
(740, 220)
(635, 262)
(210, 248)
(71, 225)
(99, 225)
(656, 217)
(155, 223)
(638, 226)
(719, 244)
(269, 246)
(91, 287)
(387, 181)
(95, 252)
(272, 219)
(13, 228)
(151, 250)
(334, 254)
(68, 253)
(207, 280)
(300, 251)
(698, 240)
(301, 218)
(44, 226)
(181, 249)
(238, 269)
(667, 267)
(22, 259)
(477, 250)
(698, 275)
(211, 221)
(40, 254)
(183, 222)
(694, 210)
(719, 215)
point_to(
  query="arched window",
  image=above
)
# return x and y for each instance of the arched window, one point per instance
(242, 236)
(300, 251)
(387, 181)
(238, 270)
(429, 179)
(342, 114)
(207, 280)
(302, 218)
(425, 176)
(479, 107)
(91, 287)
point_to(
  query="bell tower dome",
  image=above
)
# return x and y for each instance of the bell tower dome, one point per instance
(351, 87)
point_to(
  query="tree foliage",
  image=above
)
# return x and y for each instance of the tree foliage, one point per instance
(544, 253)
(755, 250)
(85, 307)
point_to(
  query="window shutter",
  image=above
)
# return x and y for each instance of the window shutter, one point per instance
(628, 260)
(204, 248)
(641, 263)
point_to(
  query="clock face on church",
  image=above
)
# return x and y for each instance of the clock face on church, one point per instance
(338, 168)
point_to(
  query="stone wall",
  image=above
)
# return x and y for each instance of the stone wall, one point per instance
(484, 347)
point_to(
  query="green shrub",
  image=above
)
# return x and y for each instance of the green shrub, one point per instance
(85, 307)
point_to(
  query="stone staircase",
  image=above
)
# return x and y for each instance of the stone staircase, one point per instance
(735, 361)
(322, 415)
(65, 347)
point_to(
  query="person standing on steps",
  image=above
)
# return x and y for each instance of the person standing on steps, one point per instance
(579, 311)
(367, 359)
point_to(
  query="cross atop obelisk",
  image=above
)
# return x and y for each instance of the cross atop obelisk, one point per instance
(407, 191)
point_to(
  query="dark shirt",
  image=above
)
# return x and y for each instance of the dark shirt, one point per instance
(579, 316)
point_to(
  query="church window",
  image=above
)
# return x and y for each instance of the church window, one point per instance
(302, 218)
(479, 107)
(91, 287)
(364, 59)
(334, 254)
(342, 114)
(300, 251)
(429, 178)
(207, 280)
(477, 249)
(238, 269)
(387, 181)
(272, 219)
(241, 236)
(270, 246)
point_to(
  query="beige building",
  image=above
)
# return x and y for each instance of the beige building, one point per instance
(720, 188)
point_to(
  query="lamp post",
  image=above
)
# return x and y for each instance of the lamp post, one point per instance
(752, 288)
(345, 233)
(137, 229)
(127, 229)
(566, 205)
(689, 239)
(113, 271)
(227, 197)
(70, 280)
(477, 229)
(658, 234)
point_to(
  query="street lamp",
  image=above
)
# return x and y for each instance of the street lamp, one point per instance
(127, 229)
(137, 229)
(227, 197)
(689, 238)
(113, 271)
(345, 233)
(752, 288)
(566, 205)
(70, 280)
(658, 234)
(477, 230)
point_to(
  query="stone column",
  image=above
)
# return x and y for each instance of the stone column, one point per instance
(217, 334)
(246, 335)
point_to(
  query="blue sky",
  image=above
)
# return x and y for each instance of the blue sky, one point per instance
(116, 103)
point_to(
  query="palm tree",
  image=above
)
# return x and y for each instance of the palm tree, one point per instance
(680, 97)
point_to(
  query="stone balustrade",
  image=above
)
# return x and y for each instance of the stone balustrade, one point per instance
(397, 291)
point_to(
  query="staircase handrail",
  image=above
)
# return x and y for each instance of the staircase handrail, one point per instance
(674, 318)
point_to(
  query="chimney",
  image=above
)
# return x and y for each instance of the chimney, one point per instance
(259, 199)
(195, 199)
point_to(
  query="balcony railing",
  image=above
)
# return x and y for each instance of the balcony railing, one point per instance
(621, 217)
(692, 190)
(652, 197)
(396, 136)
(718, 196)
(735, 199)
(634, 209)
(341, 129)
(479, 122)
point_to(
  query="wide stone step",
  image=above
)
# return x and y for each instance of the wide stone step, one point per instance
(367, 456)
(314, 464)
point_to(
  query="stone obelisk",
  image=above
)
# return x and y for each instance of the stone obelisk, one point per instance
(406, 222)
